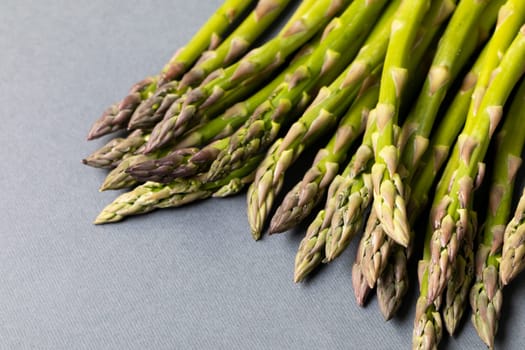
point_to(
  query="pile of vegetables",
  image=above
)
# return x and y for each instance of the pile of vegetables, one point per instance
(412, 97)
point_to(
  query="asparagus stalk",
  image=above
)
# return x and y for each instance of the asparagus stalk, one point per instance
(235, 116)
(429, 324)
(270, 174)
(353, 199)
(217, 130)
(236, 44)
(421, 183)
(161, 166)
(320, 117)
(184, 162)
(389, 203)
(486, 295)
(455, 47)
(117, 116)
(300, 201)
(349, 194)
(513, 247)
(255, 66)
(311, 249)
(111, 154)
(208, 37)
(442, 140)
(164, 169)
(152, 195)
(449, 216)
(341, 41)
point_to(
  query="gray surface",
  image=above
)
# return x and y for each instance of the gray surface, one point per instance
(185, 278)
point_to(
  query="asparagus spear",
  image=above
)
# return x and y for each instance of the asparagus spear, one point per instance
(449, 217)
(161, 166)
(156, 107)
(446, 134)
(513, 252)
(164, 169)
(429, 324)
(349, 194)
(442, 140)
(153, 195)
(183, 162)
(117, 116)
(255, 66)
(236, 115)
(431, 163)
(353, 199)
(449, 214)
(311, 249)
(388, 202)
(455, 47)
(208, 37)
(217, 130)
(338, 46)
(300, 201)
(111, 154)
(486, 295)
(236, 44)
(270, 174)
(320, 117)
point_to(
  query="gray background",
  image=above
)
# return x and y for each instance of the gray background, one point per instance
(185, 278)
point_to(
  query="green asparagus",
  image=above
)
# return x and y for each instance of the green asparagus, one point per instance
(236, 44)
(338, 46)
(153, 195)
(111, 154)
(300, 201)
(486, 295)
(256, 66)
(449, 214)
(455, 48)
(117, 116)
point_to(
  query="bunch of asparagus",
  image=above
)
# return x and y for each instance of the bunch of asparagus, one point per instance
(408, 93)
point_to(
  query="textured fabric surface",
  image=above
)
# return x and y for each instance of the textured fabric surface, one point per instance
(185, 278)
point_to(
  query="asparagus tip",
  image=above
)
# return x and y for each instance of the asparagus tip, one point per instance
(98, 221)
(256, 234)
(330, 256)
(361, 288)
(298, 277)
(103, 218)
(505, 274)
(275, 226)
